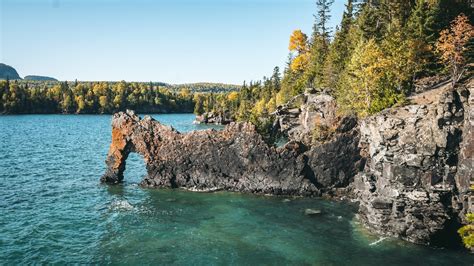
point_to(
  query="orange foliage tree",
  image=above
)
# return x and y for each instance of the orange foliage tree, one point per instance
(452, 45)
(299, 44)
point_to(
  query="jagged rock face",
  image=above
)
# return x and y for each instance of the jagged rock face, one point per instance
(465, 166)
(234, 159)
(213, 118)
(334, 163)
(410, 184)
(314, 110)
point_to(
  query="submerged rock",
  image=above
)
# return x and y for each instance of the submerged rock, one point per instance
(311, 212)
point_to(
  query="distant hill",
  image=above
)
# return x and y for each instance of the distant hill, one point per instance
(8, 72)
(39, 78)
(207, 87)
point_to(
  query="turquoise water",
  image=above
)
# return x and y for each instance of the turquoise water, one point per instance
(54, 210)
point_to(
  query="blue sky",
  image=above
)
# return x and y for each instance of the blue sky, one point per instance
(174, 41)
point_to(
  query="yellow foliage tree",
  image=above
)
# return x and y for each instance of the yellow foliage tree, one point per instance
(103, 102)
(452, 45)
(271, 105)
(368, 86)
(298, 42)
(300, 62)
(81, 104)
(185, 93)
(282, 96)
(233, 96)
(260, 108)
(365, 73)
(401, 52)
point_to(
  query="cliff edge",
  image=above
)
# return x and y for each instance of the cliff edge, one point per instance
(409, 167)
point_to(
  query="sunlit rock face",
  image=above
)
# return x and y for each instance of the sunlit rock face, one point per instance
(298, 118)
(419, 163)
(408, 167)
(236, 159)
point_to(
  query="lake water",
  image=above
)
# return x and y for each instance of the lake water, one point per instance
(54, 210)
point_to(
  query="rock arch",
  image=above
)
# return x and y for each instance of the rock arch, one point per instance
(235, 159)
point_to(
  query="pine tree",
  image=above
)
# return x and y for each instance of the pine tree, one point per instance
(322, 18)
(340, 49)
(276, 80)
(320, 41)
(421, 30)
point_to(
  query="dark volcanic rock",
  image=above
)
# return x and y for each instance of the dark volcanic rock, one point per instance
(408, 167)
(412, 183)
(332, 163)
(235, 159)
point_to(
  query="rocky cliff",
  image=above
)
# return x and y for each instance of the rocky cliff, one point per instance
(409, 167)
(419, 163)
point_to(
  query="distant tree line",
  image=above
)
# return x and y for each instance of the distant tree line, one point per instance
(204, 87)
(369, 62)
(91, 97)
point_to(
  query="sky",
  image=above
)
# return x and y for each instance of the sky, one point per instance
(173, 41)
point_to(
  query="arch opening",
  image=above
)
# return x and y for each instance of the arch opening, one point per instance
(135, 168)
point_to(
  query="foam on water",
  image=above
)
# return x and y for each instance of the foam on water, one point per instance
(121, 205)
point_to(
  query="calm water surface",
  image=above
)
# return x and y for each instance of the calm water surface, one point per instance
(53, 210)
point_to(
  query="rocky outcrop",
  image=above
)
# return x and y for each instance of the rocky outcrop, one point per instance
(213, 118)
(304, 113)
(409, 167)
(419, 162)
(235, 159)
(465, 169)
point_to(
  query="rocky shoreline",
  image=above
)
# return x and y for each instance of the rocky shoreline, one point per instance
(213, 118)
(408, 167)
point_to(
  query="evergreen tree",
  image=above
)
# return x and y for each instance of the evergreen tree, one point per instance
(320, 41)
(340, 48)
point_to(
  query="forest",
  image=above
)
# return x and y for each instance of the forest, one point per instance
(32, 97)
(370, 62)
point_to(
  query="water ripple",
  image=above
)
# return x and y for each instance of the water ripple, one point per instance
(54, 211)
